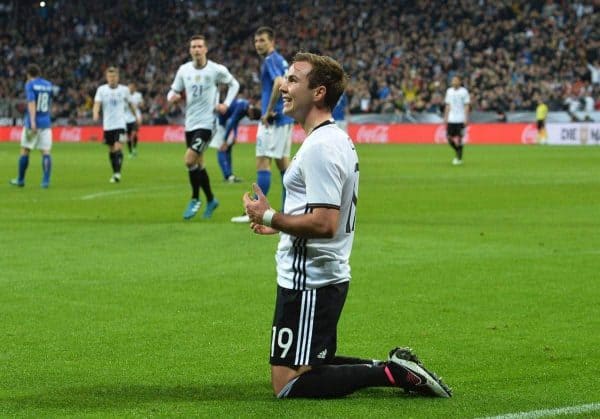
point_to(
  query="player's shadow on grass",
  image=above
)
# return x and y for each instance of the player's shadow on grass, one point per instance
(120, 396)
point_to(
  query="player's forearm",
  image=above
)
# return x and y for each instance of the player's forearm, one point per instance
(232, 91)
(96, 111)
(173, 96)
(32, 114)
(309, 226)
(275, 94)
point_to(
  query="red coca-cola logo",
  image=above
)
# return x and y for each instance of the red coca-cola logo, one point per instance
(440, 135)
(529, 134)
(174, 135)
(373, 134)
(15, 134)
(70, 134)
(243, 134)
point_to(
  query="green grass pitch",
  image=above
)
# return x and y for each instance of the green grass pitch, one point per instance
(112, 305)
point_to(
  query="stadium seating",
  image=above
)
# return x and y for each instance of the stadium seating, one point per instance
(399, 54)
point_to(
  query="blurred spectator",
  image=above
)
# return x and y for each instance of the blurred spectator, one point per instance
(400, 54)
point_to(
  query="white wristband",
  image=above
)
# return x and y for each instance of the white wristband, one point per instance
(268, 217)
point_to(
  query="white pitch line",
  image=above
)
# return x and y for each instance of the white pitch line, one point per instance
(123, 191)
(108, 193)
(582, 408)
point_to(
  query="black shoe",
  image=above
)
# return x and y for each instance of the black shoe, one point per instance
(409, 373)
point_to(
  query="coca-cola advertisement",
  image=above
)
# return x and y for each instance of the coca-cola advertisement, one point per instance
(371, 133)
(498, 133)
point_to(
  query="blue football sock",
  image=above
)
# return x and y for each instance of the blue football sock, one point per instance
(46, 167)
(224, 164)
(228, 154)
(263, 178)
(23, 163)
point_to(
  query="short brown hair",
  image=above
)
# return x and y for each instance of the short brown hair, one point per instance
(266, 30)
(326, 72)
(33, 70)
(197, 37)
(112, 69)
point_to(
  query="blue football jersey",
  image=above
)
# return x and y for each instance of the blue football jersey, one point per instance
(39, 90)
(339, 112)
(235, 112)
(272, 67)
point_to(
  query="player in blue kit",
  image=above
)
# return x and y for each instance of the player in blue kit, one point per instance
(339, 112)
(226, 134)
(274, 136)
(37, 131)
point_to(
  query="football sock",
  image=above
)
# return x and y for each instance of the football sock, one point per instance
(459, 152)
(228, 154)
(135, 140)
(451, 143)
(129, 145)
(326, 381)
(113, 161)
(46, 167)
(282, 190)
(205, 184)
(116, 160)
(194, 173)
(347, 360)
(23, 163)
(263, 178)
(224, 164)
(119, 158)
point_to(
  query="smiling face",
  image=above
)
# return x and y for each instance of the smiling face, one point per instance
(298, 97)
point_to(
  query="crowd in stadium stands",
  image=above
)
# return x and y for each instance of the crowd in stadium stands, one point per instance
(400, 54)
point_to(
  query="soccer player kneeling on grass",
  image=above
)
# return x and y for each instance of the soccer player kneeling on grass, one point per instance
(316, 233)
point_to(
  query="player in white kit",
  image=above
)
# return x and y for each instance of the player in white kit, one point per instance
(131, 119)
(456, 116)
(316, 231)
(112, 98)
(199, 80)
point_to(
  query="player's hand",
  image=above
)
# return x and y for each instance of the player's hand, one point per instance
(261, 229)
(255, 208)
(176, 97)
(224, 147)
(268, 118)
(138, 120)
(221, 108)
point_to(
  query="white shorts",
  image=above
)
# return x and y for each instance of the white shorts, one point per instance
(42, 140)
(274, 141)
(218, 139)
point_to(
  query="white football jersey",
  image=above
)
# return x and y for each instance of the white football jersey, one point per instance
(457, 99)
(323, 173)
(202, 93)
(113, 103)
(136, 100)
